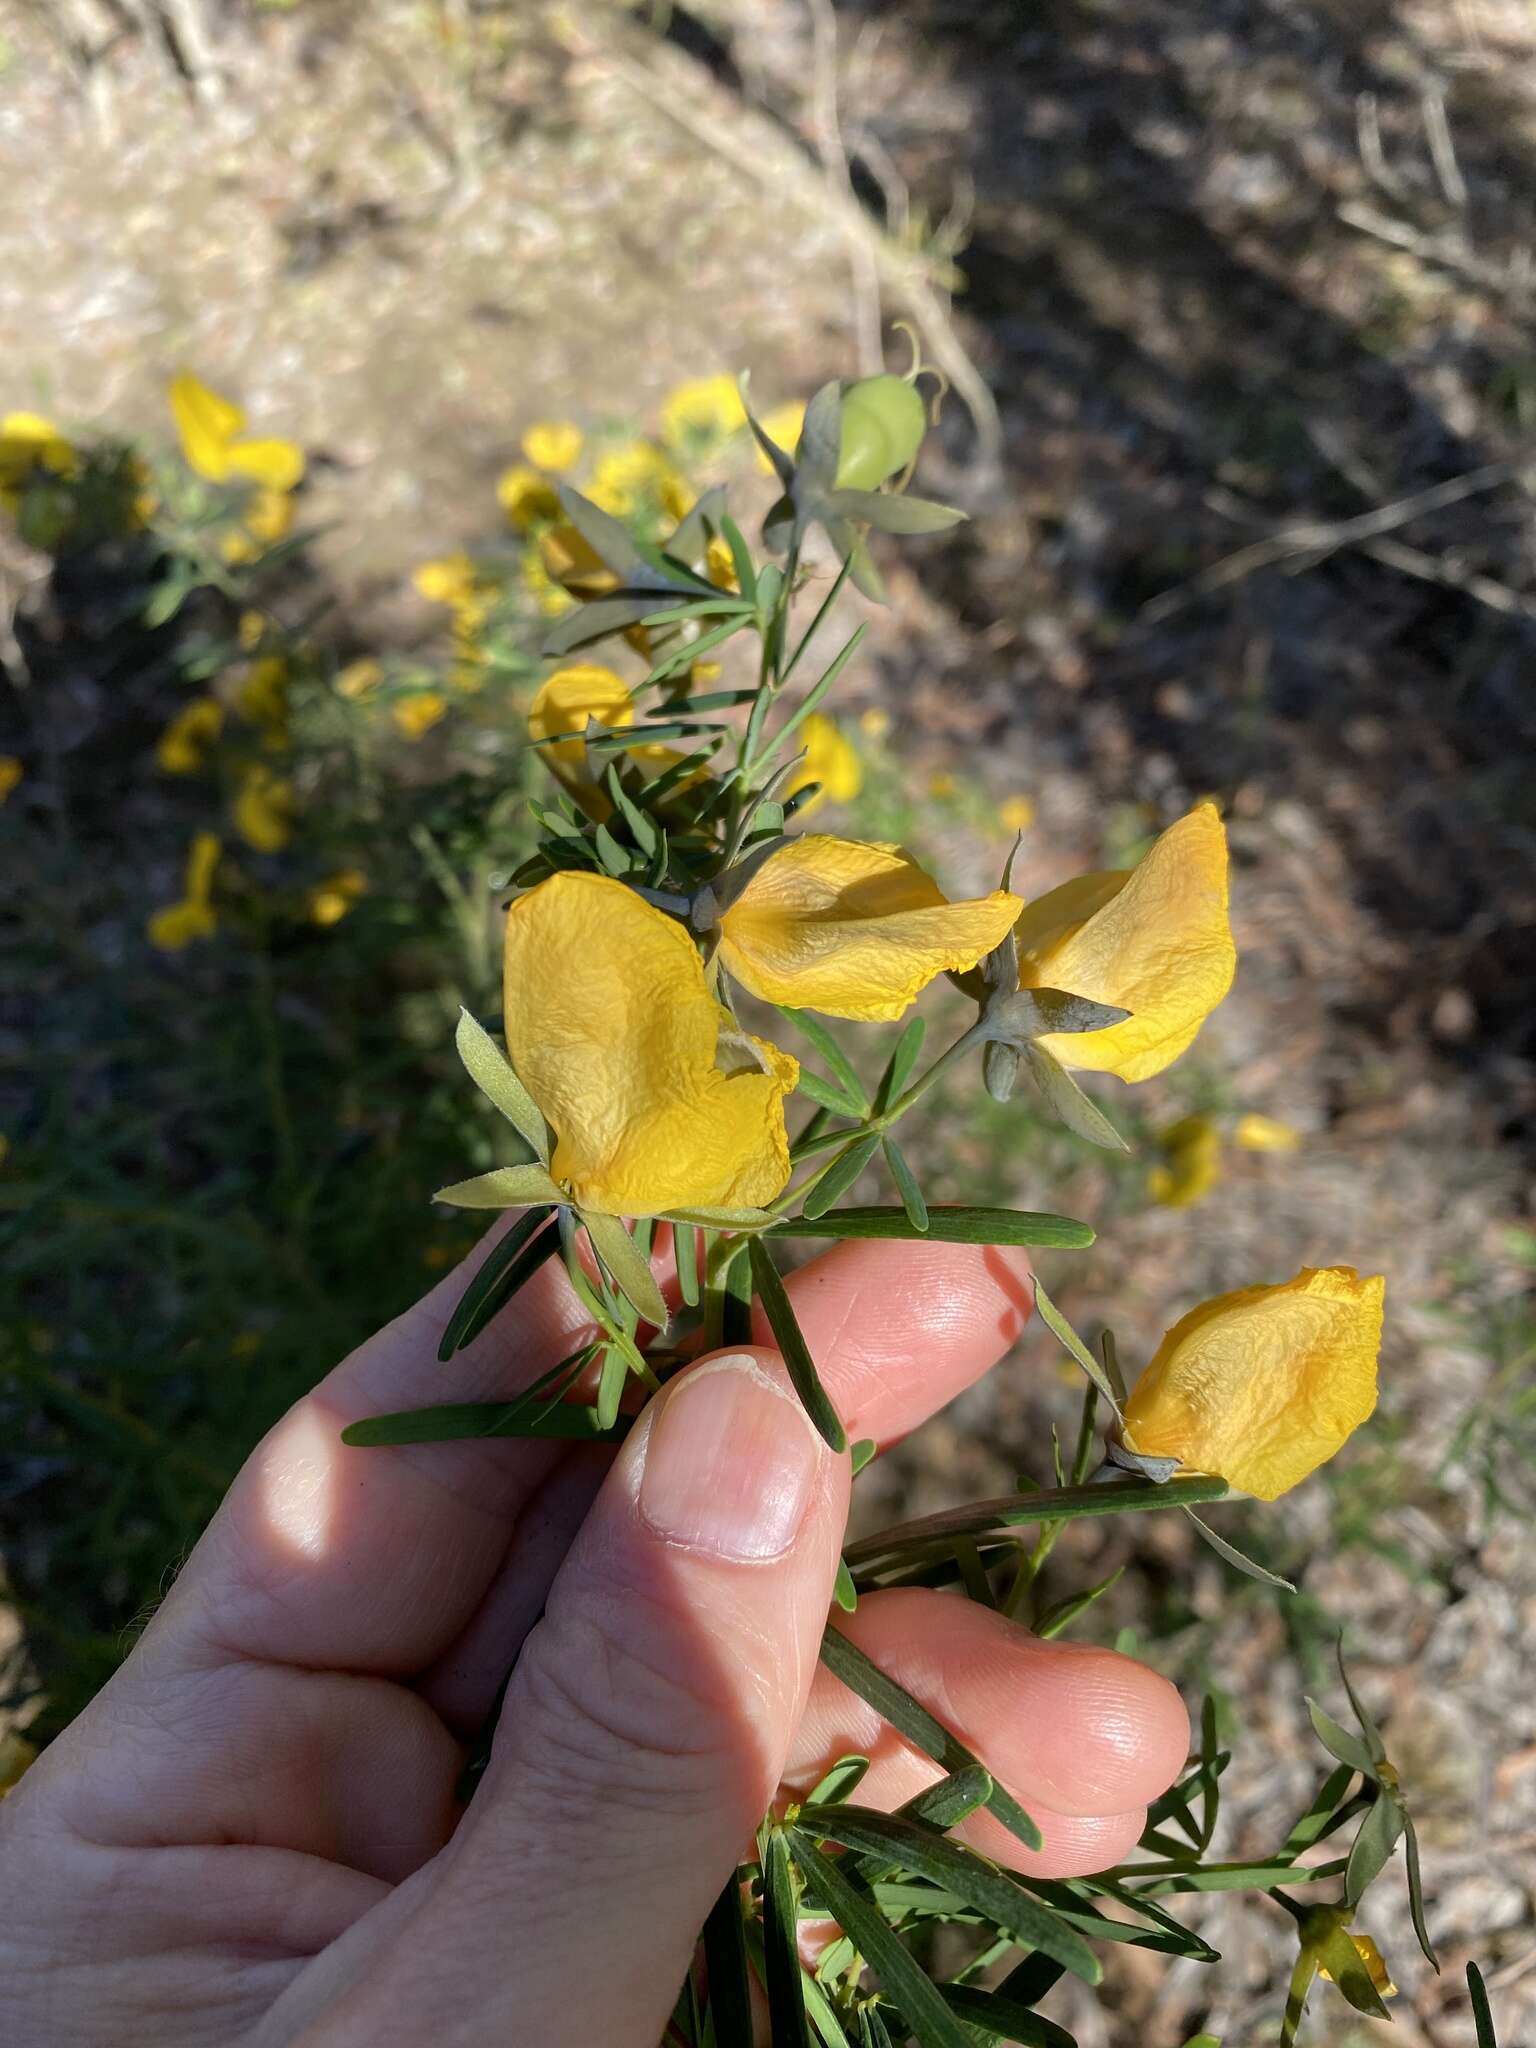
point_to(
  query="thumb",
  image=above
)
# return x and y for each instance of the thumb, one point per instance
(648, 1720)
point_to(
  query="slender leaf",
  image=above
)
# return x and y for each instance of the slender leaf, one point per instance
(725, 1958)
(900, 1065)
(1337, 1740)
(1013, 1510)
(1416, 1891)
(491, 1071)
(1005, 2017)
(1346, 1966)
(685, 1256)
(490, 1290)
(942, 1805)
(786, 1997)
(627, 1266)
(839, 1782)
(741, 558)
(894, 512)
(1239, 1559)
(1482, 2013)
(505, 1187)
(457, 1419)
(1060, 1617)
(793, 1348)
(816, 695)
(841, 1175)
(844, 1591)
(861, 1453)
(1372, 1733)
(1067, 1102)
(825, 1095)
(922, 2003)
(1374, 1842)
(906, 1184)
(847, 1662)
(1073, 1345)
(811, 1026)
(948, 1223)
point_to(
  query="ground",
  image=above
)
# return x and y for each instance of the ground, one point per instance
(1225, 273)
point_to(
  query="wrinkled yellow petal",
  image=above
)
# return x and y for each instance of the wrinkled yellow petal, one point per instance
(831, 760)
(275, 465)
(1153, 939)
(1191, 1164)
(614, 1033)
(206, 423)
(566, 702)
(1261, 1386)
(185, 744)
(553, 444)
(1255, 1133)
(853, 930)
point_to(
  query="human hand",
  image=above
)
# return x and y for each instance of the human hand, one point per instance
(251, 1835)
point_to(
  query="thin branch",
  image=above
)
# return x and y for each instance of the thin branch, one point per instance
(864, 267)
(1442, 149)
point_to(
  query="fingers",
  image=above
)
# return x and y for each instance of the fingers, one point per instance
(644, 1730)
(1082, 1737)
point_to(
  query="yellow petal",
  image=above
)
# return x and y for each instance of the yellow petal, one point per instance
(202, 864)
(1375, 1966)
(329, 901)
(575, 564)
(449, 579)
(178, 924)
(709, 405)
(566, 702)
(263, 810)
(1153, 939)
(1191, 1152)
(1255, 1133)
(553, 444)
(720, 564)
(831, 759)
(1017, 814)
(184, 745)
(614, 1033)
(11, 772)
(854, 930)
(275, 465)
(782, 426)
(29, 442)
(526, 497)
(418, 713)
(360, 677)
(1261, 1386)
(206, 423)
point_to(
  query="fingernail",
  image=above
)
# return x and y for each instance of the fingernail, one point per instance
(730, 1464)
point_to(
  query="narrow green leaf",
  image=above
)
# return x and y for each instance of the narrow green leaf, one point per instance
(1013, 1510)
(861, 1453)
(1374, 1842)
(948, 1223)
(1482, 2013)
(844, 1591)
(811, 1027)
(685, 1256)
(641, 829)
(1296, 1996)
(1004, 2017)
(798, 1361)
(1416, 1891)
(841, 1175)
(843, 1778)
(1350, 1976)
(457, 1419)
(627, 1266)
(610, 1386)
(721, 1219)
(1060, 1617)
(952, 1798)
(906, 1184)
(786, 1998)
(741, 558)
(847, 1662)
(1239, 1559)
(1000, 1899)
(491, 1071)
(1073, 1345)
(1067, 1102)
(736, 1291)
(1337, 1740)
(819, 690)
(899, 1067)
(895, 511)
(1316, 1822)
(490, 1284)
(921, 2002)
(825, 1095)
(725, 1959)
(1368, 1728)
(505, 1187)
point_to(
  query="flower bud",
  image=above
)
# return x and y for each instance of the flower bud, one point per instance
(882, 425)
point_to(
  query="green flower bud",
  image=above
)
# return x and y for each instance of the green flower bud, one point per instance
(882, 425)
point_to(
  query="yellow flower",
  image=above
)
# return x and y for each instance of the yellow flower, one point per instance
(1255, 1133)
(626, 475)
(1261, 1386)
(566, 701)
(1017, 814)
(542, 587)
(720, 564)
(707, 406)
(553, 444)
(263, 698)
(452, 580)
(329, 901)
(1192, 1163)
(943, 784)
(11, 772)
(853, 930)
(677, 496)
(526, 497)
(250, 630)
(573, 563)
(359, 678)
(29, 443)
(211, 428)
(184, 745)
(831, 760)
(656, 1098)
(419, 713)
(266, 520)
(263, 810)
(1153, 939)
(193, 917)
(1375, 1966)
(875, 723)
(782, 426)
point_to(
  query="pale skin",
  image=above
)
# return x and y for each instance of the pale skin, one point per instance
(251, 1836)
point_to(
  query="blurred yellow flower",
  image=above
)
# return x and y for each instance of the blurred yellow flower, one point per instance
(263, 809)
(526, 497)
(943, 784)
(623, 476)
(249, 631)
(720, 564)
(1375, 1966)
(853, 930)
(263, 698)
(1255, 1133)
(329, 901)
(359, 677)
(453, 580)
(542, 587)
(659, 1100)
(178, 924)
(266, 520)
(11, 773)
(830, 759)
(185, 744)
(782, 426)
(1016, 814)
(1261, 1386)
(677, 495)
(211, 428)
(575, 564)
(418, 714)
(553, 444)
(29, 443)
(1153, 939)
(1191, 1166)
(707, 406)
(875, 723)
